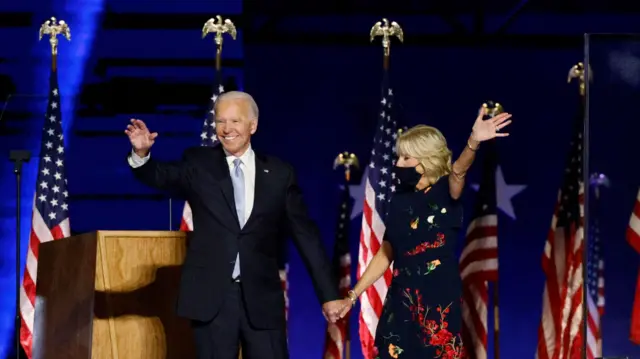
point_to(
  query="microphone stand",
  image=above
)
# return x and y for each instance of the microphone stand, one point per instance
(18, 157)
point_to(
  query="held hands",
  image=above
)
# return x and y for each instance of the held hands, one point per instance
(335, 310)
(484, 130)
(140, 137)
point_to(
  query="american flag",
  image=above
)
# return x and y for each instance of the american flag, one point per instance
(633, 237)
(208, 139)
(50, 218)
(338, 333)
(378, 191)
(560, 333)
(479, 259)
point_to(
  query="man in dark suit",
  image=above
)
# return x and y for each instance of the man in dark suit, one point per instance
(230, 288)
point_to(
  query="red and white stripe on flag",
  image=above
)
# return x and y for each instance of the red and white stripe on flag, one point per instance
(478, 265)
(337, 333)
(479, 260)
(560, 331)
(633, 237)
(186, 224)
(39, 234)
(337, 336)
(372, 299)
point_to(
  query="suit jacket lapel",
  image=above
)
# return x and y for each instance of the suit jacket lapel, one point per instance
(260, 190)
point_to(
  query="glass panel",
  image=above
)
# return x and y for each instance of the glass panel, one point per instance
(613, 125)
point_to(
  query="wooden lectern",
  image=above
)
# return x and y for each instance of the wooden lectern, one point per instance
(111, 295)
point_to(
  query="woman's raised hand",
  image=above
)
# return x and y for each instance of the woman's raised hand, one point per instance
(484, 130)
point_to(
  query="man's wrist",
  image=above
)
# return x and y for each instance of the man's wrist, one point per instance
(135, 160)
(141, 153)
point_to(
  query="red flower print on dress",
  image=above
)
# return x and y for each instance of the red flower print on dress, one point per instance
(434, 332)
(424, 246)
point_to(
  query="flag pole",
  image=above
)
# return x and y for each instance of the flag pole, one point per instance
(577, 72)
(386, 30)
(347, 160)
(496, 321)
(494, 109)
(219, 27)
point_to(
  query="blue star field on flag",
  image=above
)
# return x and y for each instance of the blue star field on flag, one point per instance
(51, 186)
(380, 169)
(208, 136)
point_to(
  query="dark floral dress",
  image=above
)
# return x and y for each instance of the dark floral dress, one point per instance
(421, 318)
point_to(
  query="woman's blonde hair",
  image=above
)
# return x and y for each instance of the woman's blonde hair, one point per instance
(429, 147)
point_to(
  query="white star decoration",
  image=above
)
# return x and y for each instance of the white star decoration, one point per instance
(208, 134)
(357, 193)
(504, 193)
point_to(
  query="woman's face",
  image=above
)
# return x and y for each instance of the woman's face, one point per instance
(408, 161)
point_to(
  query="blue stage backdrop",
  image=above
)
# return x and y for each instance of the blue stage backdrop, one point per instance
(316, 101)
(25, 110)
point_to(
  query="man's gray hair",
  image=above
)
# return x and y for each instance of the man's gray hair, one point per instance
(243, 96)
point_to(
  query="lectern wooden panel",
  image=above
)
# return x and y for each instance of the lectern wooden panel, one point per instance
(111, 295)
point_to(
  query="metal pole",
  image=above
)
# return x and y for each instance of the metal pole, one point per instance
(584, 84)
(18, 157)
(496, 321)
(170, 216)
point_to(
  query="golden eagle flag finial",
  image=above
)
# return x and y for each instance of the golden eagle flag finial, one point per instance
(493, 108)
(387, 31)
(577, 71)
(219, 27)
(53, 28)
(347, 160)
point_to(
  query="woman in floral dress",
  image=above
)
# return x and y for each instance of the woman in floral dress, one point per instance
(421, 317)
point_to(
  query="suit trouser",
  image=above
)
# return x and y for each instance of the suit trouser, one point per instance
(220, 337)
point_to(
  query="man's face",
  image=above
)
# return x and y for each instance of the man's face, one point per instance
(234, 126)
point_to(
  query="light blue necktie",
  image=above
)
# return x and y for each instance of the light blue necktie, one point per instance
(237, 178)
